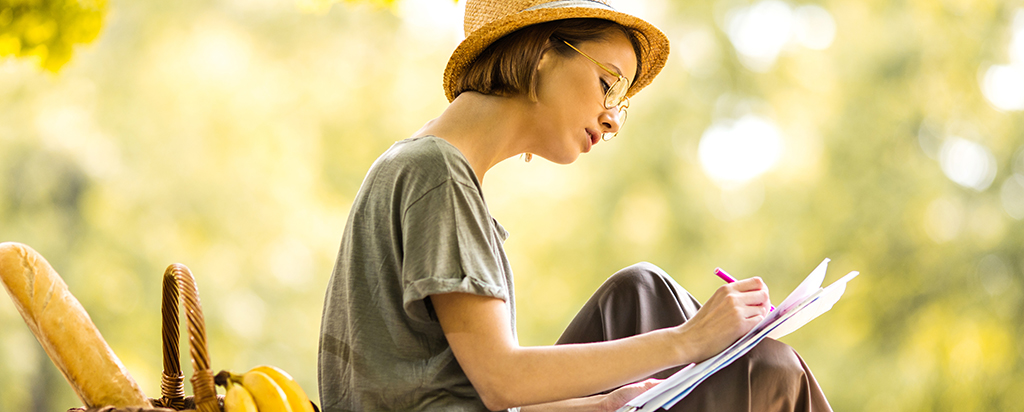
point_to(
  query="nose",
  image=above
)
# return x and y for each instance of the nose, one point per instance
(611, 121)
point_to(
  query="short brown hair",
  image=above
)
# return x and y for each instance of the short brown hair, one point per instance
(508, 66)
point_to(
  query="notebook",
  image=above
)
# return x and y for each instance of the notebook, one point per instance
(808, 301)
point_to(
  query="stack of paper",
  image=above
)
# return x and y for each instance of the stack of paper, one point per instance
(807, 302)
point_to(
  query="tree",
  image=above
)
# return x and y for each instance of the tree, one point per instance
(46, 31)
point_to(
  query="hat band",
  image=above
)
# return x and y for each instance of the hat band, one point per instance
(559, 4)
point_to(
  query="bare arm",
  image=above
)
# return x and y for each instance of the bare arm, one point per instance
(507, 375)
(597, 403)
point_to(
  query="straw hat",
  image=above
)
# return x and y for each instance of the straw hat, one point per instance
(489, 20)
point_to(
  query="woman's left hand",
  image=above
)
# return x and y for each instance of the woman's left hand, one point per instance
(617, 398)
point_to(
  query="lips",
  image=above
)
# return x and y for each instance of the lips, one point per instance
(594, 137)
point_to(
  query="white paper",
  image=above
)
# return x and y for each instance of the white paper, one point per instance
(806, 302)
(810, 285)
(828, 297)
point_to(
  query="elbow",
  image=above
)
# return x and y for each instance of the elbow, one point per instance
(496, 382)
(499, 390)
(494, 398)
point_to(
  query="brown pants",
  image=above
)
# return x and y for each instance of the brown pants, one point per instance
(642, 298)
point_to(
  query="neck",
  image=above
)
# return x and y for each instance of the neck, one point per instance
(486, 129)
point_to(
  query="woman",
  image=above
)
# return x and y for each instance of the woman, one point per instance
(420, 310)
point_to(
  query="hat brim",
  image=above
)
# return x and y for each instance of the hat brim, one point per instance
(652, 59)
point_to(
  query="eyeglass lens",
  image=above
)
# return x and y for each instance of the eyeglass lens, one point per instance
(616, 94)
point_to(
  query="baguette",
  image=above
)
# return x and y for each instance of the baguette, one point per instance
(65, 331)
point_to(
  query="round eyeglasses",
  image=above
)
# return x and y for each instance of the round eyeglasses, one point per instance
(614, 95)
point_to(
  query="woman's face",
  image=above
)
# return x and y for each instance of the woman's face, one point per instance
(570, 115)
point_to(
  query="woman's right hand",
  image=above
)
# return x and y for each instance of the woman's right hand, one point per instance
(617, 399)
(731, 312)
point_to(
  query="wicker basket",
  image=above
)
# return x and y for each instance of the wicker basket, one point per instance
(178, 281)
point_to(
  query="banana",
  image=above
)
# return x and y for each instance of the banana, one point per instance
(297, 398)
(238, 399)
(268, 395)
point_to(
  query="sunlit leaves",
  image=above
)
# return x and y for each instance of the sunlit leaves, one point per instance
(232, 135)
(323, 6)
(46, 31)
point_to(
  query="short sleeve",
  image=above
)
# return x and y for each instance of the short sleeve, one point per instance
(449, 245)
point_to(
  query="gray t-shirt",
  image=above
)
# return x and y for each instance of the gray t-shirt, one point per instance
(419, 226)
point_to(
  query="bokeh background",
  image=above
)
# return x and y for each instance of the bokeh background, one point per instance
(232, 135)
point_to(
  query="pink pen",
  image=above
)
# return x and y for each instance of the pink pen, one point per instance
(729, 279)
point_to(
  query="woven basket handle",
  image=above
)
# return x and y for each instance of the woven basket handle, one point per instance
(177, 278)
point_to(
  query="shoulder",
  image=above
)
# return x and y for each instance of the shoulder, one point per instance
(428, 160)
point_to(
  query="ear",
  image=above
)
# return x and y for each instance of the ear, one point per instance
(549, 59)
(546, 56)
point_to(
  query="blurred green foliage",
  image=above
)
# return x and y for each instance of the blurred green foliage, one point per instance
(231, 136)
(323, 6)
(47, 30)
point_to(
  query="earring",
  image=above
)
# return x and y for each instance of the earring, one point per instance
(527, 157)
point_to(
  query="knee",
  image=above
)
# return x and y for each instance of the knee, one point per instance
(776, 361)
(647, 282)
(643, 275)
(783, 379)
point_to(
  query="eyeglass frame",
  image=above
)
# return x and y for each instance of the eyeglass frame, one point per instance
(607, 95)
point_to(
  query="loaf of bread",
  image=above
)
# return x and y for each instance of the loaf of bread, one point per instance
(65, 330)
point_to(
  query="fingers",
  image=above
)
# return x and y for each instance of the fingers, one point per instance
(755, 293)
(740, 296)
(617, 398)
(746, 285)
(754, 312)
(747, 301)
(731, 312)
